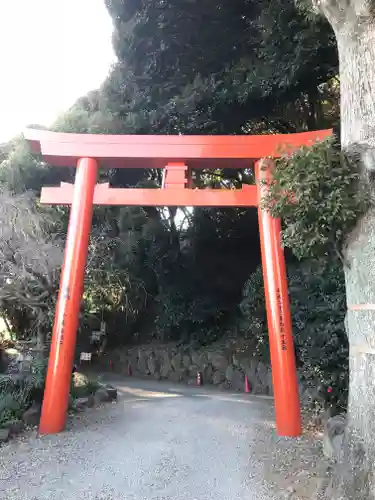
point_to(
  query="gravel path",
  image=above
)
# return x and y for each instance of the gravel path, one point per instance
(159, 442)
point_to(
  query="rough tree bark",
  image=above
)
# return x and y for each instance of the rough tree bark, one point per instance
(353, 22)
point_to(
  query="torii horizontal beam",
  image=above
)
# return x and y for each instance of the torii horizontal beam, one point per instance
(167, 197)
(155, 151)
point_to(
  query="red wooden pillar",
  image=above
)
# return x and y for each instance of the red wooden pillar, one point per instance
(64, 334)
(284, 374)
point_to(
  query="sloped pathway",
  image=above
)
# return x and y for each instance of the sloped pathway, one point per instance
(159, 442)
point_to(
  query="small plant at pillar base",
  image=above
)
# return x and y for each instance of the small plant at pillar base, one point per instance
(319, 196)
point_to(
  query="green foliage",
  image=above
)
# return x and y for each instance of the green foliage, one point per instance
(20, 170)
(88, 115)
(184, 315)
(318, 305)
(253, 319)
(12, 404)
(38, 372)
(199, 286)
(178, 73)
(83, 386)
(17, 394)
(318, 193)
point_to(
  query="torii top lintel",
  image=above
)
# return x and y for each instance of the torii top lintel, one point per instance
(155, 151)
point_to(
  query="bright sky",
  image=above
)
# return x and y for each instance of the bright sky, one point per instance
(51, 53)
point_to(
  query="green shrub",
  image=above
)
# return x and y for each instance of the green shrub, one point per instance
(13, 401)
(318, 305)
(253, 322)
(318, 193)
(19, 393)
(16, 395)
(83, 386)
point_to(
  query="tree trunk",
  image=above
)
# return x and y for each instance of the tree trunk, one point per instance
(353, 23)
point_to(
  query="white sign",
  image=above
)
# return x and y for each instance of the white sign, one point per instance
(85, 356)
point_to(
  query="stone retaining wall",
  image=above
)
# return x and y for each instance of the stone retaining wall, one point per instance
(220, 365)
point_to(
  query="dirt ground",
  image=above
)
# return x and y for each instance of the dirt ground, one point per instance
(296, 466)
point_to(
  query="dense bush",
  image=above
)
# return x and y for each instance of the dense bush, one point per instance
(317, 295)
(20, 391)
(318, 303)
(253, 319)
(14, 400)
(317, 192)
(83, 386)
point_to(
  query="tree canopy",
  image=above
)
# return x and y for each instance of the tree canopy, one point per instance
(217, 67)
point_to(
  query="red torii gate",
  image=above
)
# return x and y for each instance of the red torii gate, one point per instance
(176, 155)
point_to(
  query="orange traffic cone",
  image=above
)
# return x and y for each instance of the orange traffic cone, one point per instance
(247, 384)
(129, 370)
(199, 379)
